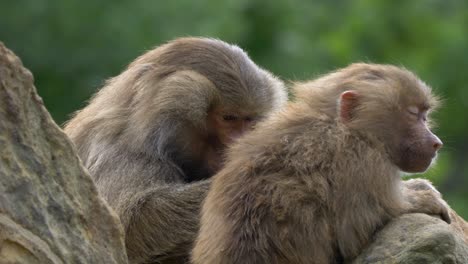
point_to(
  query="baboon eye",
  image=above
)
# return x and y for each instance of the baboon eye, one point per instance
(413, 110)
(229, 117)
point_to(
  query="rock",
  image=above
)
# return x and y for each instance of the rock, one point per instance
(418, 239)
(50, 211)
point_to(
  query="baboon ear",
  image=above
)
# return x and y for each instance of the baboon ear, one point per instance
(348, 102)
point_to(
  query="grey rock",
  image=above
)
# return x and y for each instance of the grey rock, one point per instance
(418, 239)
(50, 211)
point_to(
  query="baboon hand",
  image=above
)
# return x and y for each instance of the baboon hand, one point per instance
(422, 197)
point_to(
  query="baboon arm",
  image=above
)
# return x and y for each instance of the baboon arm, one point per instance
(161, 223)
(421, 197)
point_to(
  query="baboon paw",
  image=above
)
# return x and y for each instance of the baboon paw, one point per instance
(422, 197)
(435, 205)
(420, 185)
(444, 211)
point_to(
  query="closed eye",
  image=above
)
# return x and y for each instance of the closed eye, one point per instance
(413, 110)
(229, 118)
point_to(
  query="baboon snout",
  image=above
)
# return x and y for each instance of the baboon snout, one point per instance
(435, 142)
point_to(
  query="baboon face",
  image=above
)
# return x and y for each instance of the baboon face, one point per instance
(411, 144)
(227, 123)
(394, 106)
(417, 145)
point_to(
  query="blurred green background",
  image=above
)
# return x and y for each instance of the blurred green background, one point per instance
(72, 46)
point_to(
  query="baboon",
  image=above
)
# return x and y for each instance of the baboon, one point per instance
(153, 135)
(312, 183)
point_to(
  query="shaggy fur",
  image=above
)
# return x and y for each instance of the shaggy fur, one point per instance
(307, 187)
(140, 134)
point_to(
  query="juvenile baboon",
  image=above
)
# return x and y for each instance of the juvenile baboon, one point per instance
(312, 183)
(152, 135)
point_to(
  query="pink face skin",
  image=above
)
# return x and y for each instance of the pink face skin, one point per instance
(229, 125)
(224, 127)
(418, 146)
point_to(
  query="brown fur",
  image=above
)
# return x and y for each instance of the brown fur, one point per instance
(146, 141)
(312, 183)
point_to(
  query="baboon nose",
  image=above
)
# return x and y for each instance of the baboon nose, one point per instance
(437, 144)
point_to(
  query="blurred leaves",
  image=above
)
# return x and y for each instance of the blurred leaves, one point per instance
(72, 46)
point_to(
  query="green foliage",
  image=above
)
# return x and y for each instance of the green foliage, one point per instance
(72, 46)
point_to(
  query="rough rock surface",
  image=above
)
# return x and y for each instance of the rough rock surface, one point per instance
(50, 211)
(418, 239)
